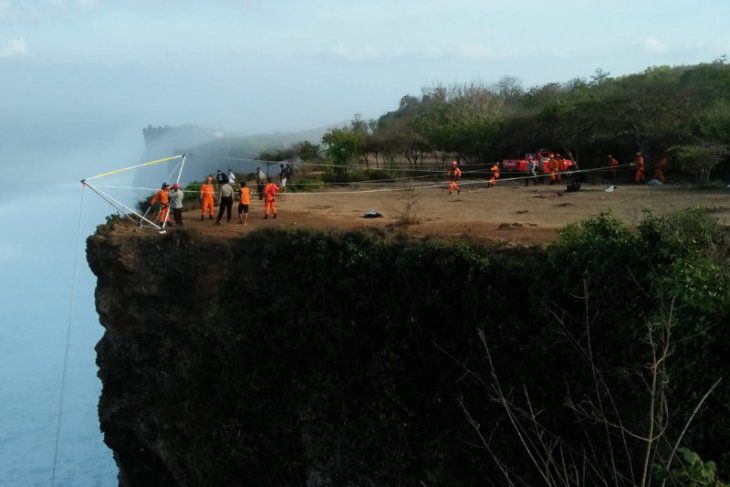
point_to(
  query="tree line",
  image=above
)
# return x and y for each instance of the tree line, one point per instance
(680, 111)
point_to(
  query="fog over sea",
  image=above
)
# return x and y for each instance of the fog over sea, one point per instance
(39, 209)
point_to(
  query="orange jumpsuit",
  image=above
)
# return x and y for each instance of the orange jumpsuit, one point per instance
(639, 176)
(612, 163)
(270, 199)
(206, 197)
(494, 177)
(661, 165)
(553, 170)
(454, 175)
(164, 200)
(245, 195)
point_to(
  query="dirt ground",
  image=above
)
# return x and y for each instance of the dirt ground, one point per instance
(510, 212)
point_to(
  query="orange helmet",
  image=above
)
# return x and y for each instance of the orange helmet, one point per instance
(453, 163)
(175, 186)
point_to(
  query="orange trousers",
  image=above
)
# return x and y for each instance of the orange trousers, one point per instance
(207, 205)
(492, 180)
(454, 187)
(639, 176)
(269, 205)
(164, 213)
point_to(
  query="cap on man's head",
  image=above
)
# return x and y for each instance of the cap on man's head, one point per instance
(164, 185)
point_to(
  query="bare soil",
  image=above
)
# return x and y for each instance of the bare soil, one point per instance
(510, 212)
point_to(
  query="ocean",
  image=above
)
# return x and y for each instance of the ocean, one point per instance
(39, 211)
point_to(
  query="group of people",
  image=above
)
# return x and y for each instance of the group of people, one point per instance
(454, 173)
(639, 175)
(267, 191)
(555, 168)
(171, 198)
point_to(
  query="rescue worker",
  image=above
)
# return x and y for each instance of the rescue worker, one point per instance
(162, 197)
(207, 200)
(270, 191)
(226, 203)
(221, 177)
(495, 175)
(551, 168)
(244, 199)
(639, 163)
(177, 203)
(612, 164)
(660, 166)
(454, 175)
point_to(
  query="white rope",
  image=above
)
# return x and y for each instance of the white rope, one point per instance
(68, 341)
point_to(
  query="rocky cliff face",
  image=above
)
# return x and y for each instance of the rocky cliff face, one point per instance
(285, 359)
(305, 358)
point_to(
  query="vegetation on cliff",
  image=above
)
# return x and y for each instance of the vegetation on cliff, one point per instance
(306, 358)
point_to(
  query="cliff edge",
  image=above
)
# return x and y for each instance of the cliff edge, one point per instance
(327, 358)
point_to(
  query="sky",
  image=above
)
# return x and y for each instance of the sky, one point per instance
(254, 66)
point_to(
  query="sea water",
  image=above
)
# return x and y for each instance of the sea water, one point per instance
(39, 217)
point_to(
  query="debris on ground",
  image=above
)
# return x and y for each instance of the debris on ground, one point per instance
(521, 212)
(610, 189)
(372, 214)
(548, 194)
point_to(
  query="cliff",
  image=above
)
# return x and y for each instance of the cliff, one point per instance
(310, 358)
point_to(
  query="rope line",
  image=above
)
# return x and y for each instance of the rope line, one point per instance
(420, 186)
(125, 169)
(62, 392)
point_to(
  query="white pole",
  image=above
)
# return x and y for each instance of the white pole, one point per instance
(114, 202)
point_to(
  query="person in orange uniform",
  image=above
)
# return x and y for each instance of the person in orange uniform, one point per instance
(164, 199)
(660, 166)
(454, 175)
(550, 168)
(559, 167)
(639, 163)
(495, 175)
(244, 200)
(612, 164)
(207, 192)
(270, 191)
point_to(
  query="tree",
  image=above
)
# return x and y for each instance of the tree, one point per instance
(308, 152)
(699, 159)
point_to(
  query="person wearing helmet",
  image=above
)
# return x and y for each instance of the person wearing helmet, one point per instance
(454, 175)
(207, 192)
(177, 203)
(164, 200)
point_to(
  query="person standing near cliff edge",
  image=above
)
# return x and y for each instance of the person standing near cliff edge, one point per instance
(226, 203)
(244, 200)
(177, 203)
(270, 198)
(207, 200)
(164, 201)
